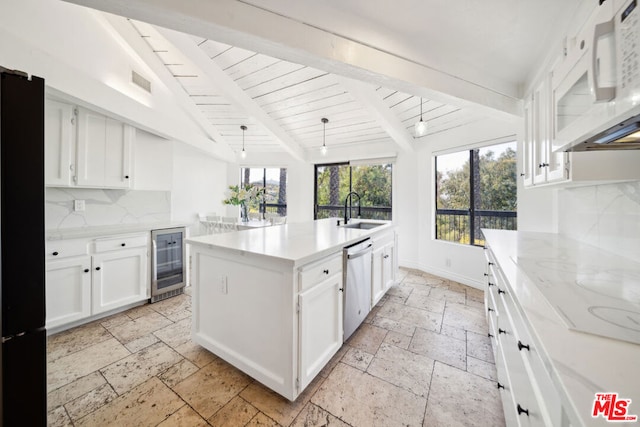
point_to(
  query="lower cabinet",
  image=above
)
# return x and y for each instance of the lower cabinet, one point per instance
(68, 290)
(87, 277)
(383, 266)
(119, 278)
(321, 330)
(529, 397)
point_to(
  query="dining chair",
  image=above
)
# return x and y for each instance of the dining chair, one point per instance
(228, 223)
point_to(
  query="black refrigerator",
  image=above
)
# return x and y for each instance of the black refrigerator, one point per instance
(23, 378)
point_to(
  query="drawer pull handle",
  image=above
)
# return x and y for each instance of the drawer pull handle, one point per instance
(97, 268)
(490, 336)
(486, 274)
(491, 284)
(490, 263)
(500, 291)
(500, 386)
(521, 410)
(86, 270)
(490, 309)
(521, 346)
(502, 331)
(123, 244)
(386, 256)
(341, 289)
(55, 253)
(126, 177)
(325, 271)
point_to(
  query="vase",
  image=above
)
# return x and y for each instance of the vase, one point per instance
(244, 213)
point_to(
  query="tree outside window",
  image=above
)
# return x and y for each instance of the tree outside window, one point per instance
(372, 182)
(476, 189)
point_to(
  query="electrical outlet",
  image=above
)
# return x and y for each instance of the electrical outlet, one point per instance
(78, 205)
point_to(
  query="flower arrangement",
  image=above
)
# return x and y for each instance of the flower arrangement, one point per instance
(242, 195)
(238, 195)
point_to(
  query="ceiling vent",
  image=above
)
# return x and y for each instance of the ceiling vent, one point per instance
(140, 81)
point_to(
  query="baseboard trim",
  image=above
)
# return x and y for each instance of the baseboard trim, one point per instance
(447, 274)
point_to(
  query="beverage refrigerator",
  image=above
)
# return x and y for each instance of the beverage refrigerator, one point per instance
(23, 385)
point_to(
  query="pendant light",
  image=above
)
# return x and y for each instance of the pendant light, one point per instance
(323, 150)
(243, 153)
(421, 126)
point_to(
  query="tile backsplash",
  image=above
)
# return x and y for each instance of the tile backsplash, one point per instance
(606, 216)
(104, 207)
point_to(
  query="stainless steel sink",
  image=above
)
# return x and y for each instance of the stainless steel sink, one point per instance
(363, 225)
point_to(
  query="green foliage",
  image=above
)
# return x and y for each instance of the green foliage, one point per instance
(371, 182)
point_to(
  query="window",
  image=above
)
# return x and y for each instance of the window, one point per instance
(476, 189)
(274, 181)
(372, 182)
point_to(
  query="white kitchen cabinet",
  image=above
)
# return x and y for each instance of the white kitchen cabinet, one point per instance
(87, 277)
(59, 147)
(528, 393)
(321, 329)
(383, 265)
(119, 272)
(540, 164)
(68, 290)
(103, 151)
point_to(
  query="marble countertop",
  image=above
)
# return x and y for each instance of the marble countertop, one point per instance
(298, 243)
(581, 364)
(106, 230)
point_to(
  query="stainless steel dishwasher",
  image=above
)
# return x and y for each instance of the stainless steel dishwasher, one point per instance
(357, 284)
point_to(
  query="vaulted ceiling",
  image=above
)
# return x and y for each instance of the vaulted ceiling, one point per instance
(478, 53)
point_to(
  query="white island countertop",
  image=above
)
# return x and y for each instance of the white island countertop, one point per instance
(562, 288)
(297, 243)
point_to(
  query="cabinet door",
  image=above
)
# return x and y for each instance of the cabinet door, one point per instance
(540, 134)
(377, 284)
(59, 143)
(557, 162)
(91, 148)
(119, 278)
(104, 151)
(68, 290)
(321, 330)
(388, 266)
(528, 143)
(117, 154)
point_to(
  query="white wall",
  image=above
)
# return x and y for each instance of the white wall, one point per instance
(414, 208)
(198, 185)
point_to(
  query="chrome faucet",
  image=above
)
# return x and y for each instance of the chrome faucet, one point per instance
(346, 200)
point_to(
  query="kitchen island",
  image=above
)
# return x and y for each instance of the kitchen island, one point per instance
(269, 300)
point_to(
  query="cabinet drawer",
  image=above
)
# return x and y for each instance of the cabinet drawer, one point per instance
(120, 242)
(316, 272)
(56, 249)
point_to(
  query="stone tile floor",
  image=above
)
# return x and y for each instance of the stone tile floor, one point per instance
(422, 357)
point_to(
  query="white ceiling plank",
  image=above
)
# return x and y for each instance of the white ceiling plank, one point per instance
(275, 34)
(230, 90)
(368, 97)
(129, 34)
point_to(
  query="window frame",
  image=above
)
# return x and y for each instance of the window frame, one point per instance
(351, 166)
(471, 213)
(262, 205)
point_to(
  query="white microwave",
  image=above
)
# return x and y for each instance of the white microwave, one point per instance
(597, 86)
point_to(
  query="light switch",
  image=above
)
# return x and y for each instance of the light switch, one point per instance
(78, 205)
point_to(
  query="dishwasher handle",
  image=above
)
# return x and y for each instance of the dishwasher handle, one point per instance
(360, 253)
